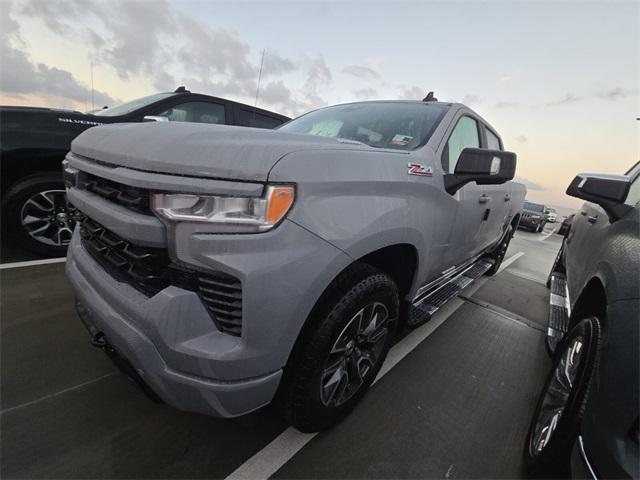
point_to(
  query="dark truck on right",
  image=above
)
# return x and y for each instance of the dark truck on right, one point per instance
(586, 421)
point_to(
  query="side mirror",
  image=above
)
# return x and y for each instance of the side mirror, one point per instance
(608, 191)
(154, 118)
(483, 166)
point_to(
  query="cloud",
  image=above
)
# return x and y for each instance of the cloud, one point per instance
(611, 95)
(22, 77)
(155, 40)
(361, 71)
(412, 93)
(506, 104)
(471, 100)
(617, 93)
(565, 100)
(529, 184)
(366, 94)
(521, 139)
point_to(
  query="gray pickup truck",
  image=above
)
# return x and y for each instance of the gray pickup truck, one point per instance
(224, 268)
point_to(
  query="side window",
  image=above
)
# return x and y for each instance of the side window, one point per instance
(199, 112)
(464, 135)
(249, 118)
(493, 142)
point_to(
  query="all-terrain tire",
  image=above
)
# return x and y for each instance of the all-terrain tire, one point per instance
(550, 459)
(301, 392)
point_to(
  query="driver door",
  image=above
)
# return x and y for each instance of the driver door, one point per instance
(468, 216)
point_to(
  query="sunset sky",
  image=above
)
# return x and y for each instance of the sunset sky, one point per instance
(559, 80)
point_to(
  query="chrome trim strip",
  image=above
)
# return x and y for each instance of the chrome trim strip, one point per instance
(583, 454)
(445, 277)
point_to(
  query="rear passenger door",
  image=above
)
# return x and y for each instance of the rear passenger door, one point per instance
(497, 198)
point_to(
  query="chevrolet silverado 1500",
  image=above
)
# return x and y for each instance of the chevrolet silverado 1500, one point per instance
(224, 267)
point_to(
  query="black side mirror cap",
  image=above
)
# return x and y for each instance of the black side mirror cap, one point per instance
(483, 166)
(608, 191)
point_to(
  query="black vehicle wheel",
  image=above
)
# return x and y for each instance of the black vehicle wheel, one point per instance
(539, 228)
(558, 415)
(498, 255)
(339, 355)
(37, 214)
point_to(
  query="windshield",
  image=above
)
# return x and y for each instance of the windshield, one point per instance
(398, 125)
(534, 207)
(129, 107)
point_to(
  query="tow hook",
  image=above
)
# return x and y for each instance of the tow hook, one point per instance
(98, 340)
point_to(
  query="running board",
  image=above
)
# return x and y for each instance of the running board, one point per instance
(425, 306)
(558, 310)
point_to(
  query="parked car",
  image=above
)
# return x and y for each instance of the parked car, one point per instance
(34, 141)
(533, 217)
(586, 420)
(552, 215)
(233, 266)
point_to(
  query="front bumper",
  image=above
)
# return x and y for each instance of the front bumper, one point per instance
(170, 338)
(106, 313)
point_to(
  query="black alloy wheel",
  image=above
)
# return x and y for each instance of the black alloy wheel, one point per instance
(560, 409)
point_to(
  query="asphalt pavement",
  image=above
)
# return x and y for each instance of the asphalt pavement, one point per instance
(454, 399)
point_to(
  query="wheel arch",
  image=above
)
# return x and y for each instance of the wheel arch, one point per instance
(384, 259)
(591, 301)
(20, 164)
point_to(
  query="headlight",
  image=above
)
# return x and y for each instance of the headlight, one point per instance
(249, 214)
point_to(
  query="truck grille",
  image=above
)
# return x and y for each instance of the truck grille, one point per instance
(150, 270)
(134, 198)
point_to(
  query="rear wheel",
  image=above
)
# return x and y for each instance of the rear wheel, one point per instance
(38, 215)
(340, 353)
(558, 415)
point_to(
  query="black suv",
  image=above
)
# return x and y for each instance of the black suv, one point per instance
(586, 421)
(34, 141)
(533, 217)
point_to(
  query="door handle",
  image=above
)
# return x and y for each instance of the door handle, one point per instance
(592, 219)
(484, 198)
(507, 197)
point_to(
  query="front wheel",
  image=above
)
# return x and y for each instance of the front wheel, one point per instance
(38, 215)
(558, 415)
(341, 351)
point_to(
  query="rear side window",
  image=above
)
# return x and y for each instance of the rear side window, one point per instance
(198, 112)
(464, 135)
(250, 118)
(493, 142)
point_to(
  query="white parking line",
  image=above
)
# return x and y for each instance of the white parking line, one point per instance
(272, 457)
(543, 238)
(32, 263)
(509, 261)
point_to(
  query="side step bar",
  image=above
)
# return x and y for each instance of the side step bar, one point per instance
(559, 310)
(425, 306)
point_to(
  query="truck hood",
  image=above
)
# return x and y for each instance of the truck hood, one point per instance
(202, 150)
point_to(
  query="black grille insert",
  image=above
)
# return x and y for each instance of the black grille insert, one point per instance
(134, 198)
(149, 270)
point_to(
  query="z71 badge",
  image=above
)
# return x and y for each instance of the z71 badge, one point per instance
(420, 170)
